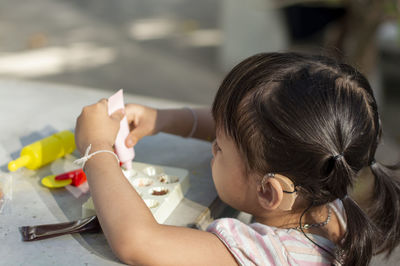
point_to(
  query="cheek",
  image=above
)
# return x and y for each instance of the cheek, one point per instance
(214, 171)
(216, 175)
(223, 182)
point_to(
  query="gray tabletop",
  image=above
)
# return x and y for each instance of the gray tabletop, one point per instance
(31, 111)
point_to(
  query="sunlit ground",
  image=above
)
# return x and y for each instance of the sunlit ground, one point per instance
(55, 60)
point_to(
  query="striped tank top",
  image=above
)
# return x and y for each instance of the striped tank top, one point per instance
(259, 244)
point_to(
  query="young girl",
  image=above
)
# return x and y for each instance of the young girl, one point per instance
(295, 140)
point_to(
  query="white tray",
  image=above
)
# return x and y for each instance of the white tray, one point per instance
(149, 181)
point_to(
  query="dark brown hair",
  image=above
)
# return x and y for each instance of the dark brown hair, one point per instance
(294, 114)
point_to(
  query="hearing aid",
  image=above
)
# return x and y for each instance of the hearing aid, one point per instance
(288, 188)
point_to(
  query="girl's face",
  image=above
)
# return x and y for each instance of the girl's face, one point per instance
(229, 175)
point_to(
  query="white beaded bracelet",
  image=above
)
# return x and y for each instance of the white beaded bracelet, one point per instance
(194, 126)
(81, 161)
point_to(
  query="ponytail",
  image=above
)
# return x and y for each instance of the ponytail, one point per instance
(385, 206)
(357, 246)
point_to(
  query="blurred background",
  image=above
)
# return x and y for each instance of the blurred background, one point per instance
(181, 49)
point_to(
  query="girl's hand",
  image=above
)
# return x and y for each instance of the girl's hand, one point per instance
(94, 126)
(142, 122)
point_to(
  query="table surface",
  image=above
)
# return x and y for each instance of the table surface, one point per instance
(31, 111)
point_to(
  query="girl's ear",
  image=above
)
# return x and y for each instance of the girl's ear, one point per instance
(290, 192)
(270, 193)
(277, 191)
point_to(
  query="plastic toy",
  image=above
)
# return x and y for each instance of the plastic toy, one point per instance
(75, 178)
(44, 151)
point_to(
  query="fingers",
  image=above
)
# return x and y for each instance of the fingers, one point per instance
(102, 107)
(103, 101)
(102, 104)
(132, 111)
(134, 136)
(118, 115)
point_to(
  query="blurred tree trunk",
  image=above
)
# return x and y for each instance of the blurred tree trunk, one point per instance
(355, 39)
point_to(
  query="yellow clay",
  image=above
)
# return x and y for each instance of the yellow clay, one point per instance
(50, 182)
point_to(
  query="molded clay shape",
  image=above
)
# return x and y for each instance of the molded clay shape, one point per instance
(167, 179)
(158, 191)
(142, 182)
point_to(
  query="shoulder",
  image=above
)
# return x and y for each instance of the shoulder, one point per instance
(235, 229)
(249, 244)
(259, 244)
(338, 208)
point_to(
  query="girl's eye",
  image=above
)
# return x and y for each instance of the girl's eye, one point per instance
(215, 146)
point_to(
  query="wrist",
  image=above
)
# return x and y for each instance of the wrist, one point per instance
(194, 124)
(96, 146)
(100, 159)
(95, 153)
(162, 117)
(175, 121)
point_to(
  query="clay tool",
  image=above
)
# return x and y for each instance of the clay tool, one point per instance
(38, 232)
(44, 151)
(75, 178)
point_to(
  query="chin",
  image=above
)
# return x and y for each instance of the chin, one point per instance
(229, 202)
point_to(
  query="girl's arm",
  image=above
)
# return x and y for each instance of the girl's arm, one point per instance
(131, 230)
(129, 226)
(180, 122)
(145, 121)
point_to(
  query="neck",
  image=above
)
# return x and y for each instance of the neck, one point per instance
(290, 219)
